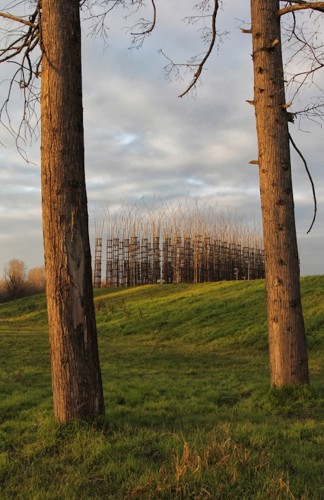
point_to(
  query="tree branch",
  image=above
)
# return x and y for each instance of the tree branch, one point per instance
(310, 179)
(319, 6)
(17, 19)
(151, 24)
(22, 51)
(209, 50)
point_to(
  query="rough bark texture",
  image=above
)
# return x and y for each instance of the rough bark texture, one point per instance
(287, 343)
(76, 378)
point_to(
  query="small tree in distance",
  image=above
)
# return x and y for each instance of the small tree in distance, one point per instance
(15, 278)
(17, 282)
(36, 280)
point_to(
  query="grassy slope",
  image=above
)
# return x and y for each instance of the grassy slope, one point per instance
(189, 412)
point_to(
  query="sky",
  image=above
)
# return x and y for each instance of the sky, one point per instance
(144, 144)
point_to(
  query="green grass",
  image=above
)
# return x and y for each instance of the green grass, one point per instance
(189, 412)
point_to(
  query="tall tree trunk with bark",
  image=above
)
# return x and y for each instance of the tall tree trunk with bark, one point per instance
(76, 377)
(287, 343)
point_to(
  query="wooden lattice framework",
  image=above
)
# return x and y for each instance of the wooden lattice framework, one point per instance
(175, 259)
(97, 263)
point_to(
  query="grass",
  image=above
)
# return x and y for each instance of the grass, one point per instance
(189, 412)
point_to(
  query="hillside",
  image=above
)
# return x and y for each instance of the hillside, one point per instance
(189, 413)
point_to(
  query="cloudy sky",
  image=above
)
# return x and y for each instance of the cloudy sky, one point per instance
(145, 144)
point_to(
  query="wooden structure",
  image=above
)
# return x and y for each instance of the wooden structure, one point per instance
(140, 261)
(97, 263)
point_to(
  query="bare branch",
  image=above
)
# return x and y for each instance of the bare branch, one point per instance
(98, 20)
(319, 6)
(304, 54)
(148, 25)
(313, 112)
(22, 48)
(201, 65)
(310, 179)
(17, 19)
(173, 70)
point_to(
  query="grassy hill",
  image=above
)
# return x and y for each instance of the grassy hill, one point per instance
(189, 412)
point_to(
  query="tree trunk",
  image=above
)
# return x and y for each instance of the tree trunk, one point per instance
(287, 343)
(76, 377)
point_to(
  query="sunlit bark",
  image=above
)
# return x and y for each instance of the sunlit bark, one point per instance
(76, 378)
(287, 344)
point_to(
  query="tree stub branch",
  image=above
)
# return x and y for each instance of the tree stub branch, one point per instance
(18, 19)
